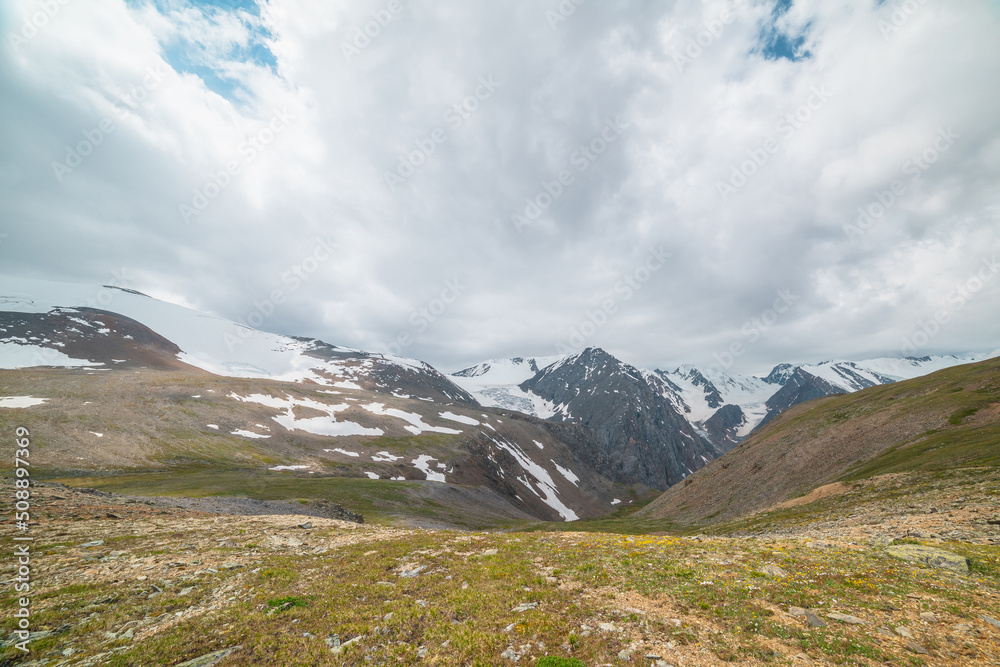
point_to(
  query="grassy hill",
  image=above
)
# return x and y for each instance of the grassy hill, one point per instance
(934, 425)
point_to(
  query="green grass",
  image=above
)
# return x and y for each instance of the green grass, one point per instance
(379, 501)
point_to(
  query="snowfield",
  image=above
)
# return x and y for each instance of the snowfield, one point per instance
(20, 401)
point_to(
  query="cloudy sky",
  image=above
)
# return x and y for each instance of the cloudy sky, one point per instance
(460, 179)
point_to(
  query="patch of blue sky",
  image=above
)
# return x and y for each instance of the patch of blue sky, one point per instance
(775, 44)
(217, 65)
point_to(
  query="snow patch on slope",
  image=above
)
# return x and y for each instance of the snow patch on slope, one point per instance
(326, 425)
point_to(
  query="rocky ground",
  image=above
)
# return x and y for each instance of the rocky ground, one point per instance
(119, 581)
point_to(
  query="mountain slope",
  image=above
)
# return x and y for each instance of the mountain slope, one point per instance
(643, 439)
(40, 324)
(666, 414)
(460, 465)
(949, 419)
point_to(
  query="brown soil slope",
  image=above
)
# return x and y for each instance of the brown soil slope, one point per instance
(948, 419)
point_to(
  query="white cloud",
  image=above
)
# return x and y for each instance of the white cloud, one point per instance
(322, 176)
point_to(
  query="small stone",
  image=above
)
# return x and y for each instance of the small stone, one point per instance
(928, 617)
(333, 641)
(846, 618)
(961, 627)
(185, 591)
(490, 552)
(91, 545)
(231, 566)
(521, 608)
(814, 620)
(305, 526)
(992, 621)
(410, 574)
(887, 632)
(774, 571)
(341, 647)
(915, 647)
(422, 652)
(625, 655)
(128, 634)
(607, 627)
(210, 659)
(796, 611)
(509, 654)
(904, 631)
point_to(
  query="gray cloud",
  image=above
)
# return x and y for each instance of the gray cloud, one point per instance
(322, 176)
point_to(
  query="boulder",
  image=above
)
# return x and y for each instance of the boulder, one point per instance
(929, 556)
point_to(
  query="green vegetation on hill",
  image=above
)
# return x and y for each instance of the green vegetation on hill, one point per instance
(944, 421)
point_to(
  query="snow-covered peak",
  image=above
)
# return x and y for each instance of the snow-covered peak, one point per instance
(505, 371)
(214, 344)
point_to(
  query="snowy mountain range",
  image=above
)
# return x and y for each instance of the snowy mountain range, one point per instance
(694, 414)
(641, 426)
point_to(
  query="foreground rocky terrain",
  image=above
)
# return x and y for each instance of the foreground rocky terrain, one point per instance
(122, 581)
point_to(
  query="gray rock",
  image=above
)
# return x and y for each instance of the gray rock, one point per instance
(992, 621)
(510, 654)
(929, 556)
(341, 647)
(210, 659)
(625, 655)
(306, 526)
(904, 631)
(774, 571)
(846, 618)
(410, 574)
(928, 617)
(521, 608)
(814, 620)
(915, 647)
(91, 545)
(422, 652)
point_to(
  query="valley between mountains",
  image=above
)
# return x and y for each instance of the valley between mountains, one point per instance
(208, 494)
